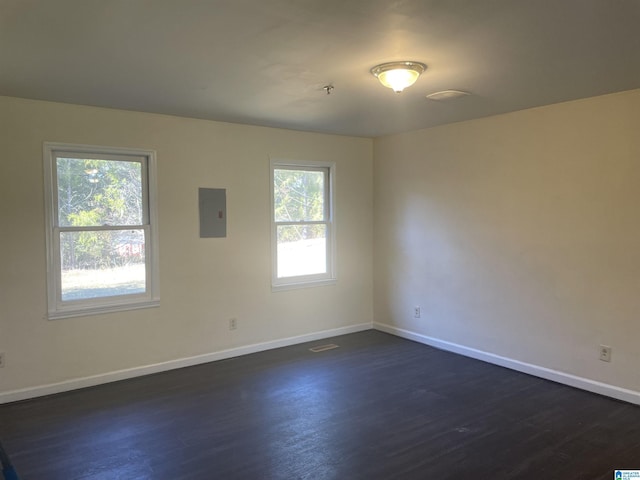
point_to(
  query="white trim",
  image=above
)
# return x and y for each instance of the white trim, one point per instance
(68, 385)
(305, 281)
(589, 385)
(56, 307)
(120, 307)
(297, 285)
(153, 271)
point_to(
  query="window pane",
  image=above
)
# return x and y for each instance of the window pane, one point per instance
(299, 195)
(102, 263)
(302, 250)
(99, 192)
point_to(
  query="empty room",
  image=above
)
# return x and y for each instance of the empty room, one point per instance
(286, 239)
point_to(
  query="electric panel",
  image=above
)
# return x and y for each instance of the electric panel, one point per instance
(213, 212)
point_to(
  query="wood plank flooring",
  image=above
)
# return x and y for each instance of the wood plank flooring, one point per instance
(377, 407)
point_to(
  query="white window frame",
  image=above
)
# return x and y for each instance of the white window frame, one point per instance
(58, 308)
(303, 281)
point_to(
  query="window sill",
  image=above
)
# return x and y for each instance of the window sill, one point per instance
(295, 286)
(59, 314)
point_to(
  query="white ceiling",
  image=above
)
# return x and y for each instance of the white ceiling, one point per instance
(264, 62)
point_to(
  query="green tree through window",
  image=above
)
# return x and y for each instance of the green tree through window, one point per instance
(98, 193)
(302, 223)
(100, 229)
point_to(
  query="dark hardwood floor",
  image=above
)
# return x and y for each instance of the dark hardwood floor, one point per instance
(378, 407)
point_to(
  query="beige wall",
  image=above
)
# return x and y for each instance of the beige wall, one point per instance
(518, 235)
(203, 282)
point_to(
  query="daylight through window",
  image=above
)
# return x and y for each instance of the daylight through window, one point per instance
(302, 223)
(100, 232)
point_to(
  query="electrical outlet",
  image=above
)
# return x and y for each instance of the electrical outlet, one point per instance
(605, 353)
(233, 323)
(416, 312)
(1, 359)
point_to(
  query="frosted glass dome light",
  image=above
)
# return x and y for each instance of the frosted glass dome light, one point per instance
(398, 75)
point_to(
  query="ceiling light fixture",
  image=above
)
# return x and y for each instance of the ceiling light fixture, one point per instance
(398, 75)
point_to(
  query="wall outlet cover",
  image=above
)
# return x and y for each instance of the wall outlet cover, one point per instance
(605, 353)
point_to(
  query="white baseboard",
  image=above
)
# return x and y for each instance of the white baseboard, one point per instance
(39, 391)
(619, 393)
(630, 396)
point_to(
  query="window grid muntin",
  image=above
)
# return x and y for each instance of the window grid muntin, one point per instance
(325, 191)
(70, 308)
(328, 170)
(142, 160)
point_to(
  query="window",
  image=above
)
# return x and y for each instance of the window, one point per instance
(102, 249)
(302, 223)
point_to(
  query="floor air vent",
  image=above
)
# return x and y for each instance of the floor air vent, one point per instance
(323, 348)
